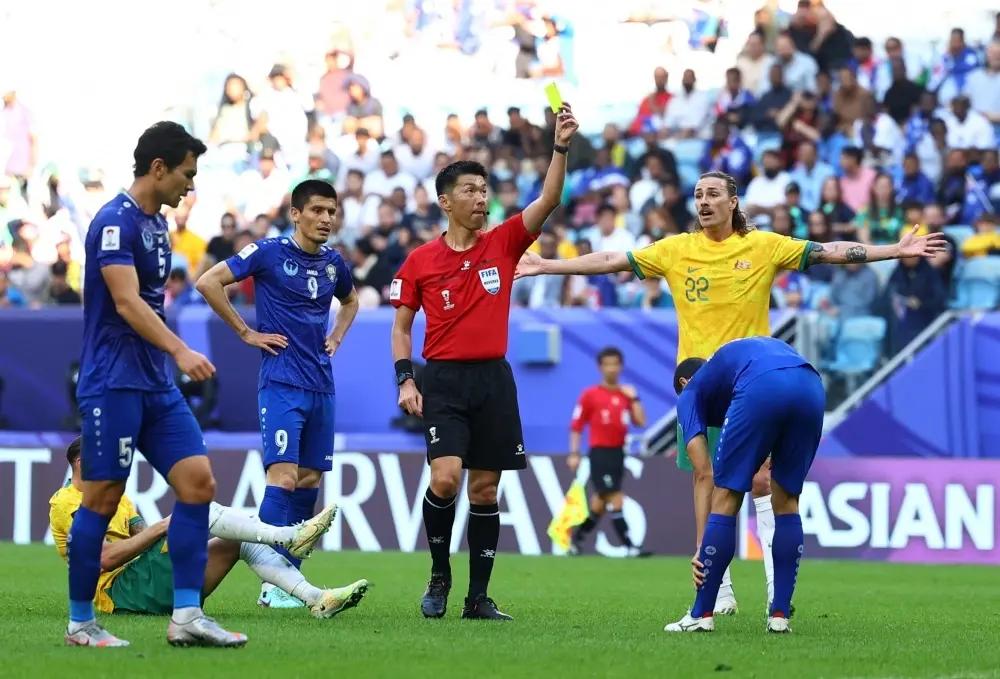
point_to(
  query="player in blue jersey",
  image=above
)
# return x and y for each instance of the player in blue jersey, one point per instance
(295, 282)
(767, 400)
(127, 396)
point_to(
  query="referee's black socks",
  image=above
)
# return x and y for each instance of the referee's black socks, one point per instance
(621, 527)
(439, 520)
(484, 536)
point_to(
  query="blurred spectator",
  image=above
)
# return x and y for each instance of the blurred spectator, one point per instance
(767, 190)
(541, 292)
(764, 114)
(799, 121)
(364, 110)
(653, 294)
(880, 220)
(18, 138)
(798, 69)
(819, 230)
(186, 244)
(654, 105)
(950, 70)
(233, 130)
(10, 296)
(727, 152)
(332, 100)
(870, 73)
(878, 135)
(30, 277)
(179, 290)
(913, 184)
(855, 289)
(221, 247)
(967, 129)
(851, 101)
(754, 64)
(915, 296)
(607, 236)
(944, 263)
(261, 191)
(60, 291)
(415, 157)
(914, 66)
(358, 152)
(903, 95)
(688, 113)
(816, 31)
(734, 101)
(810, 173)
(840, 215)
(983, 85)
(280, 118)
(985, 242)
(856, 180)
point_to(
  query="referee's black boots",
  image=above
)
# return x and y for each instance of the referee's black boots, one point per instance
(483, 608)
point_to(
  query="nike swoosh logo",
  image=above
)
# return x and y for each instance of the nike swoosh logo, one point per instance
(699, 268)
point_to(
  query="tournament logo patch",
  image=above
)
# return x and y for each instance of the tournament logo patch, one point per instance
(396, 289)
(331, 272)
(490, 278)
(111, 238)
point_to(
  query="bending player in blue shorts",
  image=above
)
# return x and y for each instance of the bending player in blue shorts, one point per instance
(127, 396)
(295, 281)
(767, 400)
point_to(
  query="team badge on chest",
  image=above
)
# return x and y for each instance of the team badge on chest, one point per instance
(490, 278)
(331, 273)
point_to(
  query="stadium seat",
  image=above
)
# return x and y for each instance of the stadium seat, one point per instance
(857, 350)
(688, 153)
(977, 286)
(818, 294)
(959, 233)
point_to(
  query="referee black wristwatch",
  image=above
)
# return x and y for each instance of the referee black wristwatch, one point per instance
(560, 149)
(404, 371)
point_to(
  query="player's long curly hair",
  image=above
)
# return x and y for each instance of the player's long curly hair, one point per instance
(741, 224)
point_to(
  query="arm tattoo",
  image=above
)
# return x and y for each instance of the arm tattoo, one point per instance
(832, 253)
(137, 527)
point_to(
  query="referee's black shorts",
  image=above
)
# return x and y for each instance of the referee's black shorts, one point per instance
(470, 411)
(607, 469)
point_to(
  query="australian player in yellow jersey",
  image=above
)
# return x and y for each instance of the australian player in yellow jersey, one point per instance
(136, 575)
(720, 277)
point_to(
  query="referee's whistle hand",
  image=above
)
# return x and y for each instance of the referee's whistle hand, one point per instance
(410, 399)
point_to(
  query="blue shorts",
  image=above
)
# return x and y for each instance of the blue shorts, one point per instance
(120, 422)
(779, 413)
(297, 426)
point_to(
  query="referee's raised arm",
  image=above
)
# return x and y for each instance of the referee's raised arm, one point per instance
(467, 396)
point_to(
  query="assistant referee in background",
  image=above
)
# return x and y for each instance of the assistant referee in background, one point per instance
(469, 405)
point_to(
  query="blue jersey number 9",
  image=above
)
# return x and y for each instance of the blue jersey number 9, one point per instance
(313, 285)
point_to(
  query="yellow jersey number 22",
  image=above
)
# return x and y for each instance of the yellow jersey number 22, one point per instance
(696, 289)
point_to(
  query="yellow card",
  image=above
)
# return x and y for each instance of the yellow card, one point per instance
(555, 99)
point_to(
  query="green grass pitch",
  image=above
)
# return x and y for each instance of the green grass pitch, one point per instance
(586, 617)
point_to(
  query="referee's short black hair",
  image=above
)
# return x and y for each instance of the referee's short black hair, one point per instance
(685, 371)
(448, 177)
(310, 188)
(169, 142)
(610, 352)
(73, 451)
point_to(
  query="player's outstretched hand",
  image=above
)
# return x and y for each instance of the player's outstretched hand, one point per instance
(410, 399)
(912, 245)
(265, 340)
(566, 125)
(529, 265)
(194, 365)
(697, 572)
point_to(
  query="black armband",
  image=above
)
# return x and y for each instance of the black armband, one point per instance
(404, 370)
(560, 149)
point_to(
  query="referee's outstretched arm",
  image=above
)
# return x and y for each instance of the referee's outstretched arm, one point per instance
(538, 211)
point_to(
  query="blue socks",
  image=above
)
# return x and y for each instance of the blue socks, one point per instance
(276, 510)
(786, 549)
(187, 536)
(718, 547)
(83, 552)
(302, 508)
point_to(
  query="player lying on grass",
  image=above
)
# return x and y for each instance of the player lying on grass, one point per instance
(136, 575)
(767, 400)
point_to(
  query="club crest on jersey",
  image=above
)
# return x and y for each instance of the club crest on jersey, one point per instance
(147, 239)
(290, 267)
(490, 278)
(742, 265)
(331, 273)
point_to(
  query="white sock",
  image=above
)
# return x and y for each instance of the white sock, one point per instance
(765, 531)
(183, 616)
(275, 569)
(232, 524)
(726, 588)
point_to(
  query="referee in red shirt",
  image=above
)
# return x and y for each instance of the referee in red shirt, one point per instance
(469, 402)
(607, 409)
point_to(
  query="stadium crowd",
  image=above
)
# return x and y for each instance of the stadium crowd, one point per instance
(829, 135)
